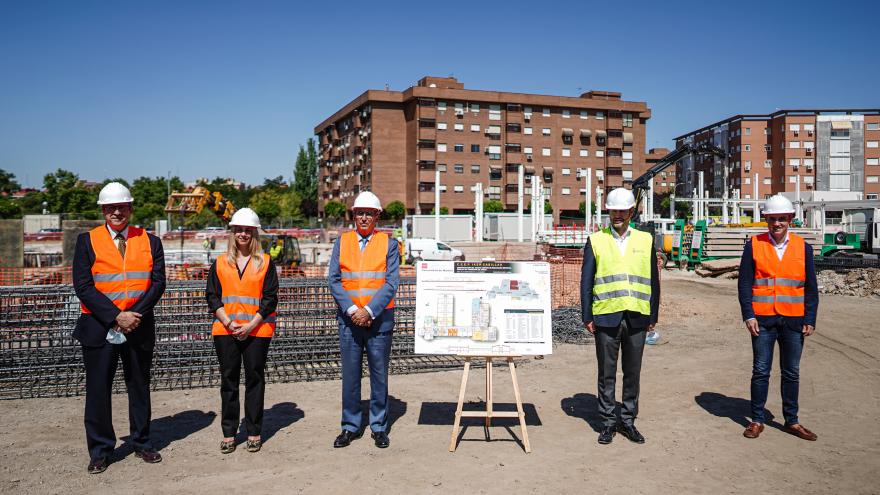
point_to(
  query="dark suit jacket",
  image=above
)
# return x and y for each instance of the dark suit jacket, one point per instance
(383, 320)
(747, 279)
(91, 329)
(634, 319)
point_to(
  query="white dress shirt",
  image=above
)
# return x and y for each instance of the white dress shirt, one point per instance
(780, 248)
(621, 240)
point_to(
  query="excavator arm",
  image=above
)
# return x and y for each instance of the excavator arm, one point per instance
(192, 203)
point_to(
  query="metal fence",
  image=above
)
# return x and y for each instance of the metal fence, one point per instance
(39, 358)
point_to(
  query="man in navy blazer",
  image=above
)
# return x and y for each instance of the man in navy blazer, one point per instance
(103, 325)
(366, 322)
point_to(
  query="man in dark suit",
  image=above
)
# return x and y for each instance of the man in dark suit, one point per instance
(620, 299)
(118, 276)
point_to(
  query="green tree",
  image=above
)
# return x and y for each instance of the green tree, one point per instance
(150, 196)
(267, 204)
(31, 203)
(493, 206)
(548, 208)
(582, 208)
(274, 184)
(290, 208)
(443, 210)
(146, 214)
(305, 178)
(8, 184)
(9, 208)
(66, 194)
(682, 209)
(334, 209)
(395, 210)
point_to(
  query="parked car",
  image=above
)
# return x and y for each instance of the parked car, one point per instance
(431, 250)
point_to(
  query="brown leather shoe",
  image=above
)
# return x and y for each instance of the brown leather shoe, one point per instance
(753, 430)
(149, 456)
(800, 432)
(98, 466)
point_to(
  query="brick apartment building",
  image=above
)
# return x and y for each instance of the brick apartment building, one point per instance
(392, 142)
(831, 150)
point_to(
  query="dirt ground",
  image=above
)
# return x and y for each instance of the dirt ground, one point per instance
(694, 402)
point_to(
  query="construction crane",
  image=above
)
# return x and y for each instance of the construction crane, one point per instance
(283, 248)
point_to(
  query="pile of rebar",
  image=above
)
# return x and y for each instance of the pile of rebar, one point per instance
(40, 358)
(568, 327)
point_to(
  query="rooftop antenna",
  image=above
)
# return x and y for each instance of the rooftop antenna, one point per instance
(386, 87)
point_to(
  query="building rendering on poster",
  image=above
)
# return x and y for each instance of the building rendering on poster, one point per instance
(487, 307)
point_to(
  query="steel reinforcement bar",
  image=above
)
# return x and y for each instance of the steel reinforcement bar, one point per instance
(39, 358)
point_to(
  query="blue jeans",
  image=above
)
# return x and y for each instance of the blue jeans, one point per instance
(791, 343)
(353, 341)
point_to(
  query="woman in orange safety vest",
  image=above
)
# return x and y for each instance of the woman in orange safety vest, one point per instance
(242, 293)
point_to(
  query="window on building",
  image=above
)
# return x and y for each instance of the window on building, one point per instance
(808, 179)
(808, 162)
(872, 144)
(873, 126)
(494, 174)
(459, 127)
(514, 127)
(475, 107)
(494, 152)
(459, 148)
(441, 126)
(871, 196)
(527, 130)
(566, 171)
(600, 153)
(794, 144)
(767, 148)
(475, 148)
(566, 191)
(584, 152)
(627, 175)
(584, 115)
(545, 131)
(809, 144)
(872, 161)
(873, 179)
(747, 180)
(441, 105)
(767, 181)
(527, 149)
(475, 169)
(545, 112)
(566, 114)
(441, 167)
(442, 188)
(475, 127)
(627, 120)
(768, 163)
(748, 131)
(627, 157)
(794, 162)
(566, 151)
(600, 174)
(459, 107)
(494, 112)
(527, 113)
(748, 147)
(458, 189)
(545, 151)
(458, 168)
(794, 127)
(600, 114)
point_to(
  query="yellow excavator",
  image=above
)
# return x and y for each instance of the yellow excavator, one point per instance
(283, 248)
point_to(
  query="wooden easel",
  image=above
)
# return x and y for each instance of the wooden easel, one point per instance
(489, 413)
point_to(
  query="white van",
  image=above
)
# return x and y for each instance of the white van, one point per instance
(431, 250)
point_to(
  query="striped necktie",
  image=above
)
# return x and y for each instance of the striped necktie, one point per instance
(363, 243)
(120, 244)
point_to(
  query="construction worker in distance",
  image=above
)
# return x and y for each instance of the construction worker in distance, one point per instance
(276, 249)
(779, 299)
(363, 277)
(119, 277)
(242, 294)
(620, 299)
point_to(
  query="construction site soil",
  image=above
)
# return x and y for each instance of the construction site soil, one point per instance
(694, 406)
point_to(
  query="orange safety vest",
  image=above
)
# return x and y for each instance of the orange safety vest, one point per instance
(123, 281)
(778, 288)
(363, 272)
(241, 297)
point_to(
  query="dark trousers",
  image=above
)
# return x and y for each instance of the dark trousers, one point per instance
(231, 352)
(610, 341)
(791, 344)
(353, 341)
(101, 363)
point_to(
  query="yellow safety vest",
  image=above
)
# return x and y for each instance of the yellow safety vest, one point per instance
(622, 282)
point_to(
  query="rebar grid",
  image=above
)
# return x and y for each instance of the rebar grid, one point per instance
(39, 358)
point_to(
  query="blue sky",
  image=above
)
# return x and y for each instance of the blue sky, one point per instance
(125, 88)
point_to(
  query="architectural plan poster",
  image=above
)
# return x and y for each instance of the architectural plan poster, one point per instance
(486, 307)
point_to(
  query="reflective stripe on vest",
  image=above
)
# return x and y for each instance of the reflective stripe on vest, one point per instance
(622, 282)
(241, 297)
(363, 272)
(123, 280)
(778, 288)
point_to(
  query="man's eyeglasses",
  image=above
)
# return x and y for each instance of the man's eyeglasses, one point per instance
(783, 219)
(365, 213)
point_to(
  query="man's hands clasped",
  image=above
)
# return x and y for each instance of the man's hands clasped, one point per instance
(128, 321)
(362, 318)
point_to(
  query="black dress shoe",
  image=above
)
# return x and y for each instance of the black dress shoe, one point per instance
(607, 435)
(381, 439)
(97, 466)
(344, 439)
(630, 432)
(150, 456)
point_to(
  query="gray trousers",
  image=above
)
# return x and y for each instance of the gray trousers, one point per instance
(609, 343)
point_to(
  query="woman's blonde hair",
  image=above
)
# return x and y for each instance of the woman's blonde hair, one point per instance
(256, 250)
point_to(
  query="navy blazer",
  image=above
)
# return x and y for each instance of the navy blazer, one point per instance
(383, 320)
(634, 319)
(747, 279)
(91, 329)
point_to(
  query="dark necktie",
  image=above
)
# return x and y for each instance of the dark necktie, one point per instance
(120, 244)
(363, 243)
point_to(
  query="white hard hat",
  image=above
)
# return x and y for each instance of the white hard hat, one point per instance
(367, 199)
(114, 193)
(245, 217)
(778, 204)
(620, 199)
